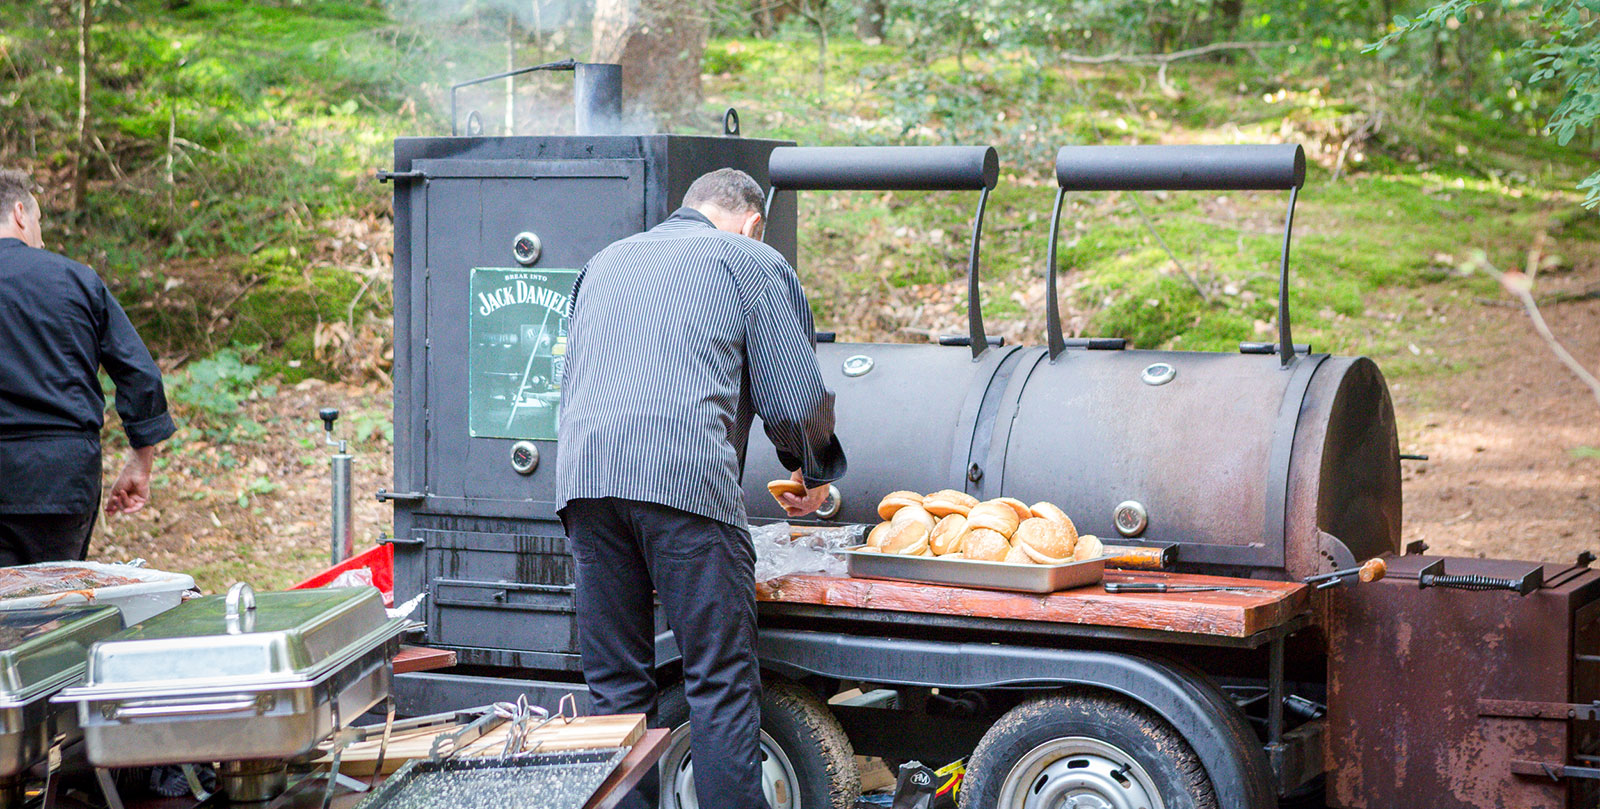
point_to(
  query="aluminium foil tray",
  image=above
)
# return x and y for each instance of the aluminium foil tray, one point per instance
(973, 573)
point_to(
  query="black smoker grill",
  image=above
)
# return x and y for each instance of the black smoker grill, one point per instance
(1273, 462)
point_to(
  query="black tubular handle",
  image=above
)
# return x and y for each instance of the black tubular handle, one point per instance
(884, 168)
(1269, 167)
(1255, 167)
(897, 168)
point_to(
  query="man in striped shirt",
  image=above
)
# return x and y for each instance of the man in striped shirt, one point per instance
(678, 337)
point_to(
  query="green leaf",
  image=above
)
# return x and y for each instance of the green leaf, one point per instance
(1592, 453)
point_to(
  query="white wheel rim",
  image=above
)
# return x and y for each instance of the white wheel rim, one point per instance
(1078, 772)
(778, 780)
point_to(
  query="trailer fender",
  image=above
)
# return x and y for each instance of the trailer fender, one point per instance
(1185, 697)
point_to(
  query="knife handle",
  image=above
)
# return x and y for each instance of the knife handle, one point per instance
(1136, 587)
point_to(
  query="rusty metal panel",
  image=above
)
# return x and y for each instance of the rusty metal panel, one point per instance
(1407, 668)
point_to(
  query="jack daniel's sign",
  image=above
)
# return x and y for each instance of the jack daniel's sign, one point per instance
(516, 351)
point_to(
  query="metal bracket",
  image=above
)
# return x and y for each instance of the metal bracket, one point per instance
(1523, 709)
(1554, 772)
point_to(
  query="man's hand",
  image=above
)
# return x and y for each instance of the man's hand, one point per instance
(796, 506)
(132, 489)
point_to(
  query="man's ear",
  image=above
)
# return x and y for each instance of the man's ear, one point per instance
(751, 226)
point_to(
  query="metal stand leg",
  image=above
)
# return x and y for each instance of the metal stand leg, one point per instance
(192, 778)
(1275, 692)
(108, 788)
(338, 752)
(388, 727)
(52, 781)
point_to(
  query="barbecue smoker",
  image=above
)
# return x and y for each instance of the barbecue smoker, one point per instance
(1450, 683)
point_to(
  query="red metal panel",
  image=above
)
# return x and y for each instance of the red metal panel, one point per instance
(1407, 668)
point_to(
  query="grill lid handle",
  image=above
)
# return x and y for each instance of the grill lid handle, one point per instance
(1262, 167)
(897, 168)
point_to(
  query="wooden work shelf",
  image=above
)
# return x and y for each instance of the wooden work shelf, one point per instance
(1220, 613)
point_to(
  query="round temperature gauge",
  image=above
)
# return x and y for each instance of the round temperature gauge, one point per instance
(524, 457)
(526, 248)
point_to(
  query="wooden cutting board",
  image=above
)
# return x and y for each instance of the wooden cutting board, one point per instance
(583, 733)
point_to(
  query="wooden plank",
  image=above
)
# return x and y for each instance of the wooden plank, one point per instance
(421, 658)
(583, 733)
(644, 755)
(1228, 614)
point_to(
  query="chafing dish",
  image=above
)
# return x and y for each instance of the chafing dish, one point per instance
(235, 677)
(42, 651)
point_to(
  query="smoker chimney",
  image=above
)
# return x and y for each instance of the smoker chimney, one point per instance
(597, 98)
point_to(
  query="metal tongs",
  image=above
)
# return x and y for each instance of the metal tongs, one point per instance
(524, 717)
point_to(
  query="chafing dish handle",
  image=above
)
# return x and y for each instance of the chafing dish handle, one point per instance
(173, 711)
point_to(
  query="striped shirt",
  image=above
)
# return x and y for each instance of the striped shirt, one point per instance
(679, 336)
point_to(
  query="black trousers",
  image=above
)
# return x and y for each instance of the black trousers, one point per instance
(29, 538)
(703, 572)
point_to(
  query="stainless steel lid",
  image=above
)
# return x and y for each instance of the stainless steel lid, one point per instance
(44, 649)
(240, 639)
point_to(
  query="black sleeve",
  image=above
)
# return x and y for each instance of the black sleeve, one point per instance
(141, 399)
(786, 384)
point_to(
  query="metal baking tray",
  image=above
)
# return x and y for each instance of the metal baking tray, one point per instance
(557, 780)
(973, 573)
(237, 677)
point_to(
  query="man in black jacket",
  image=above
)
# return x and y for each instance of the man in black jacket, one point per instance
(58, 326)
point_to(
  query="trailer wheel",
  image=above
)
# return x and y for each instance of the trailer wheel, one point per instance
(1081, 749)
(806, 760)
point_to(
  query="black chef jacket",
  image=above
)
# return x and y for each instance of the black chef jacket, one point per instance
(58, 325)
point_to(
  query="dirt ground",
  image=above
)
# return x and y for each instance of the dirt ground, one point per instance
(1513, 441)
(1513, 444)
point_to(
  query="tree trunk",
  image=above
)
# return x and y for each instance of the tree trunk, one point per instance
(870, 24)
(1225, 15)
(80, 172)
(821, 21)
(761, 15)
(660, 45)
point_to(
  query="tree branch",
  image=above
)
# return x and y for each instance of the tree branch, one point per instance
(1164, 58)
(1520, 285)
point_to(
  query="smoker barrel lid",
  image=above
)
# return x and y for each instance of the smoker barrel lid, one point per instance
(288, 637)
(43, 649)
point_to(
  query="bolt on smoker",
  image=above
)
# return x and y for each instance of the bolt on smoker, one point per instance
(1447, 683)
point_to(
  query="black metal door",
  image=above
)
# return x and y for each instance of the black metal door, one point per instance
(503, 242)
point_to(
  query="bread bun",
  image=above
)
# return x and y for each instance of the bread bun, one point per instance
(785, 486)
(918, 548)
(1050, 511)
(946, 536)
(1045, 539)
(954, 556)
(994, 516)
(916, 514)
(869, 549)
(948, 501)
(894, 501)
(984, 545)
(1021, 508)
(1016, 556)
(877, 535)
(905, 535)
(1089, 547)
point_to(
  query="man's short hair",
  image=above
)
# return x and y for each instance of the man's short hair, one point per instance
(15, 186)
(729, 189)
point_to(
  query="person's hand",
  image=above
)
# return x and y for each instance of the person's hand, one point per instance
(131, 492)
(796, 506)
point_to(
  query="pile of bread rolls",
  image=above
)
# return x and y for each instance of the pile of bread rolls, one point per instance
(953, 525)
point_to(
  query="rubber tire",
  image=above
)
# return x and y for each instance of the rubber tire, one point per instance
(1169, 761)
(800, 723)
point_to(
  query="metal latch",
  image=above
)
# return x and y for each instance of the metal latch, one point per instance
(1434, 576)
(406, 497)
(384, 176)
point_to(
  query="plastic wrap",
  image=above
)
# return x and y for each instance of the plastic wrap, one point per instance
(780, 554)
